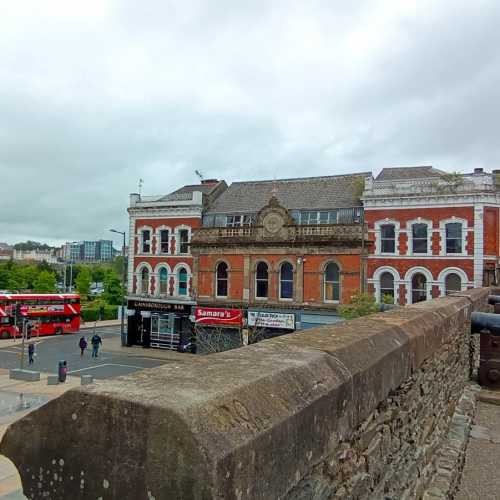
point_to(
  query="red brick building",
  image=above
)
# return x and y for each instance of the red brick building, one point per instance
(433, 232)
(160, 272)
(289, 249)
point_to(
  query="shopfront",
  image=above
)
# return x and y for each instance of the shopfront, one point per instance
(163, 325)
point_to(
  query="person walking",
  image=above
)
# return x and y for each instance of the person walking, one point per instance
(31, 352)
(83, 345)
(95, 341)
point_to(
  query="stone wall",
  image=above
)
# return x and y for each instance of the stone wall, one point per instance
(356, 410)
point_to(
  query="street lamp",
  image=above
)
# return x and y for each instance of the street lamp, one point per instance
(122, 326)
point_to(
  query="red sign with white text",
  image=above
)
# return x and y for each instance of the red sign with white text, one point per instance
(217, 316)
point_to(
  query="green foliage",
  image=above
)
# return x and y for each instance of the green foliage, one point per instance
(45, 282)
(387, 299)
(361, 304)
(31, 245)
(358, 186)
(113, 290)
(83, 281)
(94, 313)
(449, 182)
(117, 266)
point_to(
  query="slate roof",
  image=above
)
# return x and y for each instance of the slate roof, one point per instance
(204, 188)
(307, 193)
(402, 173)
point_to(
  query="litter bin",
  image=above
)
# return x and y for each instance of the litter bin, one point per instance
(63, 370)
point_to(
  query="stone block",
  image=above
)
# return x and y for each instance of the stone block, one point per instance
(52, 380)
(86, 379)
(26, 375)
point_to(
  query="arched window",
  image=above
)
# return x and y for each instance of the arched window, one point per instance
(452, 283)
(163, 280)
(221, 280)
(332, 282)
(286, 281)
(418, 288)
(261, 280)
(386, 285)
(182, 281)
(144, 280)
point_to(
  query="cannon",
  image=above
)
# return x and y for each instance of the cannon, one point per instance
(488, 327)
(494, 300)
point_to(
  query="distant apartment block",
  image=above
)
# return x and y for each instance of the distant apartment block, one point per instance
(89, 251)
(6, 251)
(36, 255)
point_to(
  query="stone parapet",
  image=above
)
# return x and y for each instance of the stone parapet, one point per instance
(356, 410)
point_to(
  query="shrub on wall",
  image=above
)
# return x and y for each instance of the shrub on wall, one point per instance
(361, 305)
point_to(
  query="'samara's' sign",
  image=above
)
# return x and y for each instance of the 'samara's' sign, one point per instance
(216, 316)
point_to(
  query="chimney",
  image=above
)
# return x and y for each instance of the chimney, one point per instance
(478, 171)
(209, 181)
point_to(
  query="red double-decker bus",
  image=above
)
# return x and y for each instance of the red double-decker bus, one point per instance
(50, 314)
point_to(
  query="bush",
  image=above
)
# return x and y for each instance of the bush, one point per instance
(110, 312)
(90, 314)
(93, 313)
(361, 304)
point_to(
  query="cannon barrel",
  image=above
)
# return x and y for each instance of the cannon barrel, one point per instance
(485, 321)
(493, 299)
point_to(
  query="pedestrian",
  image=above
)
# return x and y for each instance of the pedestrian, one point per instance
(83, 345)
(31, 352)
(95, 341)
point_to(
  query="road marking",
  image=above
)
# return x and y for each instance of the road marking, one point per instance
(107, 364)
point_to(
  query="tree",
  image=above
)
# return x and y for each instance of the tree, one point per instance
(117, 265)
(113, 290)
(83, 282)
(361, 305)
(45, 282)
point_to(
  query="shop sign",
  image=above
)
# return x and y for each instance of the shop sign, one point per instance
(159, 306)
(218, 316)
(271, 320)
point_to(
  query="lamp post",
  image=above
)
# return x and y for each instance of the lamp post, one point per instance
(122, 326)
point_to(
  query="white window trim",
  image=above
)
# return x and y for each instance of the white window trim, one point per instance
(138, 275)
(178, 230)
(378, 235)
(139, 238)
(453, 270)
(409, 228)
(175, 272)
(377, 275)
(158, 239)
(263, 299)
(326, 301)
(442, 239)
(216, 279)
(157, 277)
(279, 282)
(408, 282)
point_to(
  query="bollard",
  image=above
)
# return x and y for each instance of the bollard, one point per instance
(488, 327)
(62, 371)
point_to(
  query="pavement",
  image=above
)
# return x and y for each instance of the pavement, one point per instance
(481, 475)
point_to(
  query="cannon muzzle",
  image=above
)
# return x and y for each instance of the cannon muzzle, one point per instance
(485, 321)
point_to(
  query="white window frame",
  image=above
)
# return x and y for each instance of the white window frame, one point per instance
(378, 236)
(138, 277)
(158, 239)
(453, 270)
(409, 285)
(162, 265)
(175, 273)
(409, 228)
(256, 280)
(218, 263)
(325, 300)
(139, 236)
(279, 282)
(178, 230)
(377, 275)
(442, 239)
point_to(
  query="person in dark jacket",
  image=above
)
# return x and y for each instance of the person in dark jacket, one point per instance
(95, 341)
(83, 345)
(31, 353)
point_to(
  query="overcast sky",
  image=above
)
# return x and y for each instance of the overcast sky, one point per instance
(96, 94)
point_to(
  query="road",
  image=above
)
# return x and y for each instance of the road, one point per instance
(50, 350)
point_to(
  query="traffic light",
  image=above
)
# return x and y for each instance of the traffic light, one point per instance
(19, 316)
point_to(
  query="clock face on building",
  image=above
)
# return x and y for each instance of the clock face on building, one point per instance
(272, 223)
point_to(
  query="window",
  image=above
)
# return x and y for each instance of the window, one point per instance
(146, 241)
(144, 280)
(261, 280)
(419, 238)
(330, 217)
(418, 288)
(164, 241)
(239, 220)
(182, 281)
(183, 241)
(332, 282)
(221, 278)
(388, 238)
(163, 280)
(452, 283)
(386, 286)
(286, 281)
(454, 237)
